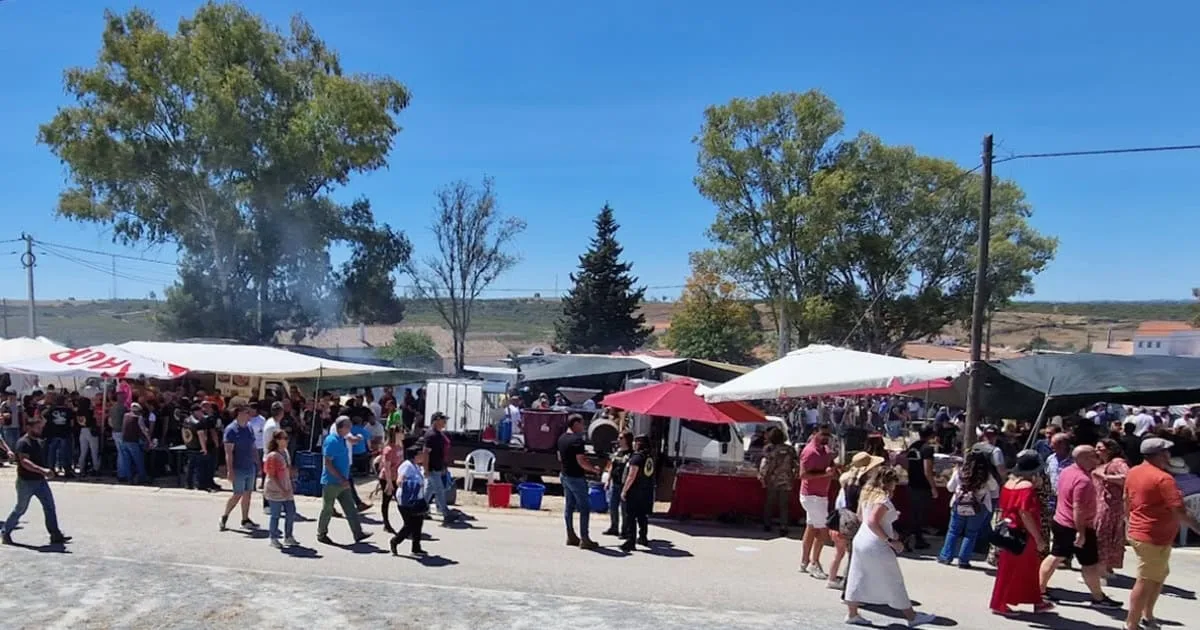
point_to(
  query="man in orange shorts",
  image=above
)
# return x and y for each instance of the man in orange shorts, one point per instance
(1155, 512)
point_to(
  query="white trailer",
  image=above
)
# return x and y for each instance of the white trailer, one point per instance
(469, 404)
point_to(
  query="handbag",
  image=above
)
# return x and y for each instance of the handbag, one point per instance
(1005, 537)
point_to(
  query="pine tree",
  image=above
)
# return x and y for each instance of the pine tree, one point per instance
(600, 314)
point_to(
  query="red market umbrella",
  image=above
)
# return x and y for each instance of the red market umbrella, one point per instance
(678, 399)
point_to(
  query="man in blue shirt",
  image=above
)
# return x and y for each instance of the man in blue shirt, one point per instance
(241, 465)
(336, 481)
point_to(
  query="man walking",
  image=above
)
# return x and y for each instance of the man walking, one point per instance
(1156, 510)
(437, 453)
(575, 465)
(336, 482)
(816, 473)
(1073, 528)
(32, 474)
(135, 436)
(922, 486)
(241, 466)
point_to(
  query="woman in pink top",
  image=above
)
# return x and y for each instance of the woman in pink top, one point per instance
(389, 463)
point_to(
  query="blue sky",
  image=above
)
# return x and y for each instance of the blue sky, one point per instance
(570, 105)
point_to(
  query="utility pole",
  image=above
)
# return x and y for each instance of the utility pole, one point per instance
(4, 315)
(114, 278)
(27, 261)
(975, 376)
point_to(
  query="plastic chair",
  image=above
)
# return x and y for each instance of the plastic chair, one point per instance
(480, 463)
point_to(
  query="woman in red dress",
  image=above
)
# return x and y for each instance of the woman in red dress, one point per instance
(1017, 574)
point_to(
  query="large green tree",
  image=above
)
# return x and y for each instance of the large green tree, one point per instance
(226, 139)
(713, 319)
(868, 244)
(601, 312)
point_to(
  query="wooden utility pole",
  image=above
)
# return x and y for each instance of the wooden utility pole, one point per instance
(978, 311)
(27, 261)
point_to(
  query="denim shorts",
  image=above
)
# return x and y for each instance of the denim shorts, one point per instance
(243, 481)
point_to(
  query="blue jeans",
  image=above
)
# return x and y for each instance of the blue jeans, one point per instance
(131, 460)
(575, 489)
(435, 491)
(26, 489)
(962, 536)
(614, 504)
(289, 518)
(11, 436)
(58, 453)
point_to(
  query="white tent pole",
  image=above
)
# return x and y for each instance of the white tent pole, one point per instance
(1041, 417)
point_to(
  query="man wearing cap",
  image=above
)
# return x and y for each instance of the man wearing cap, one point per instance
(241, 466)
(437, 455)
(1156, 510)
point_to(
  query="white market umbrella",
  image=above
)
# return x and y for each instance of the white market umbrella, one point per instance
(103, 361)
(820, 369)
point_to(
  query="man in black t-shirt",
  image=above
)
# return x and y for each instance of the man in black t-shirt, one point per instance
(921, 487)
(31, 482)
(200, 437)
(437, 453)
(575, 464)
(637, 494)
(58, 433)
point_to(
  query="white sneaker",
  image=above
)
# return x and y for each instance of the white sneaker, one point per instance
(857, 620)
(291, 542)
(922, 619)
(836, 584)
(818, 573)
(804, 568)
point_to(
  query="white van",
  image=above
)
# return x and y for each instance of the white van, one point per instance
(694, 441)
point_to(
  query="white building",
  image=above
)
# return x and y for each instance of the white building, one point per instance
(1163, 338)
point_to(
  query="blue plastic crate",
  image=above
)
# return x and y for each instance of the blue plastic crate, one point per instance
(308, 488)
(308, 460)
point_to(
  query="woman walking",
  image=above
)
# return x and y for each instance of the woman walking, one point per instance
(277, 467)
(410, 492)
(846, 509)
(637, 494)
(1021, 509)
(778, 473)
(971, 488)
(389, 469)
(874, 576)
(1110, 505)
(616, 481)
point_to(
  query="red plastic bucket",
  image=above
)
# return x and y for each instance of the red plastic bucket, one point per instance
(499, 494)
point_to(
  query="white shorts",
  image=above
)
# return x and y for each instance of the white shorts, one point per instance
(816, 511)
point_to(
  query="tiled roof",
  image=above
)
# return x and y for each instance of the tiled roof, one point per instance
(378, 336)
(1162, 327)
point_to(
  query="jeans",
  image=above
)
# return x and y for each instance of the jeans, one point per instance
(894, 428)
(575, 489)
(334, 493)
(89, 444)
(58, 453)
(414, 520)
(920, 500)
(132, 457)
(963, 535)
(11, 435)
(614, 505)
(117, 441)
(200, 470)
(781, 496)
(26, 489)
(289, 518)
(435, 491)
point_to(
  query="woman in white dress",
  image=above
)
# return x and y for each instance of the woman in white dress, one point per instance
(874, 575)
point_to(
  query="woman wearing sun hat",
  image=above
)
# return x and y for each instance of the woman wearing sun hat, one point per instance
(846, 511)
(1017, 573)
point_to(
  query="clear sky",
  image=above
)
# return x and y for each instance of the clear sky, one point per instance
(570, 105)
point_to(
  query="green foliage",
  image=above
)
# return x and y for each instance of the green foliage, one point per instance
(1111, 310)
(712, 320)
(856, 241)
(409, 346)
(600, 313)
(474, 247)
(226, 139)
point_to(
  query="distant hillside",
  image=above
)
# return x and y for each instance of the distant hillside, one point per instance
(530, 321)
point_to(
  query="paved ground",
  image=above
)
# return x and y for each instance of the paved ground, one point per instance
(153, 558)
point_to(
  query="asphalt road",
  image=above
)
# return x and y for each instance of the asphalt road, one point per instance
(146, 558)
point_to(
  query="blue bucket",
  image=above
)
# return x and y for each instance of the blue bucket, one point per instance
(597, 497)
(531, 495)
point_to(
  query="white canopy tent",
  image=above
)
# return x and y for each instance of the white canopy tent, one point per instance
(20, 348)
(103, 361)
(248, 360)
(820, 369)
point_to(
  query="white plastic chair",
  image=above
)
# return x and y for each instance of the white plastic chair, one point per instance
(1192, 504)
(480, 463)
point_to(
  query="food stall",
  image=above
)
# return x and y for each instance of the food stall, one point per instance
(816, 370)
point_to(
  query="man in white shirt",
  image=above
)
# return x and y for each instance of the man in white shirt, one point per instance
(1186, 420)
(1142, 422)
(513, 414)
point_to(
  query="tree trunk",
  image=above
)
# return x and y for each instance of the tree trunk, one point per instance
(783, 328)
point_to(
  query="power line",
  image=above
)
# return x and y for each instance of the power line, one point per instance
(94, 266)
(101, 253)
(1027, 156)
